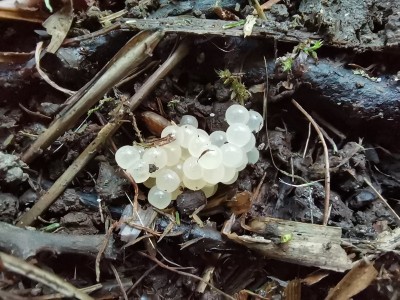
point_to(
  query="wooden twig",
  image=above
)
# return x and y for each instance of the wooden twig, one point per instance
(27, 243)
(65, 179)
(119, 281)
(217, 28)
(326, 156)
(59, 186)
(185, 274)
(34, 114)
(131, 55)
(51, 280)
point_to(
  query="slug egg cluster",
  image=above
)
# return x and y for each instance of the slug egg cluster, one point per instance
(194, 159)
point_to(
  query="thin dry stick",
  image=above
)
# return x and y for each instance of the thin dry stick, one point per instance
(141, 278)
(326, 157)
(132, 54)
(103, 248)
(119, 281)
(51, 280)
(61, 183)
(185, 274)
(395, 215)
(44, 76)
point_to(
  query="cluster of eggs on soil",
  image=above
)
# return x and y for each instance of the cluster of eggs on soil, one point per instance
(194, 159)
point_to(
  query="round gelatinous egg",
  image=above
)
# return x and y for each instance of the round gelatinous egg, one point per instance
(159, 198)
(243, 163)
(127, 156)
(193, 185)
(167, 180)
(174, 152)
(187, 131)
(196, 143)
(192, 169)
(202, 132)
(256, 121)
(229, 174)
(139, 171)
(250, 145)
(232, 155)
(236, 114)
(210, 157)
(218, 138)
(189, 120)
(140, 149)
(156, 156)
(238, 134)
(178, 168)
(234, 178)
(174, 131)
(210, 190)
(213, 176)
(253, 155)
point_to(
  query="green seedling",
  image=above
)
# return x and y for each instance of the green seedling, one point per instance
(239, 91)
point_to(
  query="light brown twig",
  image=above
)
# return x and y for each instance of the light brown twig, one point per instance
(326, 156)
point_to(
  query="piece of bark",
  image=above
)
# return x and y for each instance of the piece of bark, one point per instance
(309, 245)
(208, 27)
(27, 243)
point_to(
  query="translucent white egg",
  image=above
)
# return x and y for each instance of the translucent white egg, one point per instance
(140, 149)
(253, 155)
(238, 134)
(193, 185)
(167, 180)
(232, 155)
(237, 114)
(192, 169)
(229, 174)
(158, 198)
(210, 157)
(196, 143)
(234, 178)
(187, 131)
(202, 132)
(243, 163)
(174, 131)
(256, 121)
(210, 190)
(139, 171)
(218, 138)
(189, 120)
(250, 145)
(150, 182)
(213, 176)
(174, 152)
(127, 156)
(178, 168)
(156, 156)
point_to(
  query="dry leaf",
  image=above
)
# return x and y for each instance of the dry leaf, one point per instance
(248, 26)
(58, 25)
(358, 279)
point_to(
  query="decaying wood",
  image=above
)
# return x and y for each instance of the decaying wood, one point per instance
(47, 278)
(208, 27)
(27, 243)
(310, 245)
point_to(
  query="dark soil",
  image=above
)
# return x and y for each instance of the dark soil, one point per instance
(359, 112)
